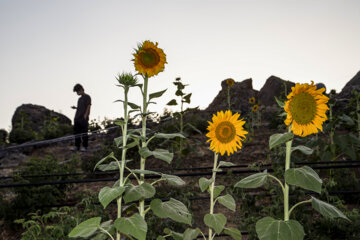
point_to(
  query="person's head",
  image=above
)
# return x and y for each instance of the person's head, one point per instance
(78, 89)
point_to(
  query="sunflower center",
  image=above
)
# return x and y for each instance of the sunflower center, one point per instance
(149, 57)
(303, 108)
(225, 132)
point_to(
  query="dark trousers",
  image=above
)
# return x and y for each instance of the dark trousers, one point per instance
(81, 126)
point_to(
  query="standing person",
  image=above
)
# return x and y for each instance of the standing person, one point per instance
(81, 120)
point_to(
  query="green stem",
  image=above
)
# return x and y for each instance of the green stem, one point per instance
(106, 232)
(299, 203)
(181, 128)
(123, 155)
(286, 187)
(143, 142)
(281, 185)
(212, 186)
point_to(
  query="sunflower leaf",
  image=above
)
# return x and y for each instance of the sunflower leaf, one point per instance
(304, 177)
(268, 228)
(280, 103)
(204, 183)
(156, 94)
(326, 209)
(279, 138)
(253, 181)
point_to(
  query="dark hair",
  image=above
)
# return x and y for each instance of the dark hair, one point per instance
(78, 87)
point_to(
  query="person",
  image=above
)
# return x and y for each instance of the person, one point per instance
(81, 120)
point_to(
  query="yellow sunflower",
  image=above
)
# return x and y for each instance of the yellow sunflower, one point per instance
(226, 132)
(255, 108)
(149, 59)
(306, 109)
(230, 82)
(252, 100)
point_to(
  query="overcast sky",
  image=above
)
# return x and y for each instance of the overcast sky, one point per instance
(46, 47)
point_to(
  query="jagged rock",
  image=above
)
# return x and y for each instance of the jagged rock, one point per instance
(240, 93)
(32, 117)
(274, 87)
(353, 84)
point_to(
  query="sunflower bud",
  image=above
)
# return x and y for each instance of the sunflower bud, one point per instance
(126, 79)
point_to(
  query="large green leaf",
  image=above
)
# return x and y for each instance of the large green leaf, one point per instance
(86, 228)
(168, 135)
(191, 234)
(326, 209)
(279, 138)
(204, 183)
(227, 201)
(270, 229)
(218, 189)
(173, 209)
(215, 221)
(304, 177)
(173, 180)
(163, 154)
(107, 194)
(253, 181)
(233, 232)
(303, 149)
(110, 156)
(134, 193)
(156, 94)
(134, 226)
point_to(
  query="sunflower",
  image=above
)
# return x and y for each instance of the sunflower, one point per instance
(149, 59)
(255, 108)
(230, 82)
(252, 100)
(306, 109)
(226, 132)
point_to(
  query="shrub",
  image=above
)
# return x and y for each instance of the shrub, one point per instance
(30, 198)
(19, 135)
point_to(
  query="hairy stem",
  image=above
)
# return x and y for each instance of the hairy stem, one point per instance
(286, 187)
(143, 142)
(299, 203)
(212, 186)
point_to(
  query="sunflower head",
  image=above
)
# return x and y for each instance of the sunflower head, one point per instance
(230, 82)
(252, 100)
(255, 108)
(126, 79)
(226, 132)
(149, 60)
(306, 108)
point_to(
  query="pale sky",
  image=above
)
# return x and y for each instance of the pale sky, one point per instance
(46, 47)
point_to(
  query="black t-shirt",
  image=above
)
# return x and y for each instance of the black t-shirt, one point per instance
(83, 102)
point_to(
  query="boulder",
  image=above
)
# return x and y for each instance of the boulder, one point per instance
(240, 93)
(353, 84)
(32, 117)
(274, 87)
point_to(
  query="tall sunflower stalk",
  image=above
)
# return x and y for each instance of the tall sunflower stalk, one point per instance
(226, 134)
(305, 108)
(149, 61)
